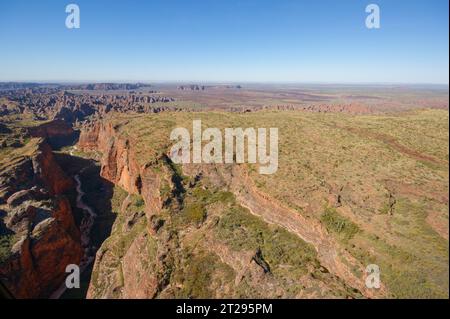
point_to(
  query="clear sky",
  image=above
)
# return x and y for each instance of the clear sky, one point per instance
(225, 41)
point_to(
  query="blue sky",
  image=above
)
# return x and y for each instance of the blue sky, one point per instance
(225, 41)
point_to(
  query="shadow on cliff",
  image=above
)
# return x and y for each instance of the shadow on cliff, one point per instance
(59, 142)
(98, 193)
(57, 133)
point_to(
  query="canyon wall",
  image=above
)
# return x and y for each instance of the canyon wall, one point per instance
(119, 166)
(40, 237)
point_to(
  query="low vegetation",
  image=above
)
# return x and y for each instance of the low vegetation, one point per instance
(339, 225)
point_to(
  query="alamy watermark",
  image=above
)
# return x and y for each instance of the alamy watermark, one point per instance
(73, 279)
(233, 140)
(373, 279)
(73, 19)
(373, 19)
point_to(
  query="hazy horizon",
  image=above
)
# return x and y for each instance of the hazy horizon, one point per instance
(231, 82)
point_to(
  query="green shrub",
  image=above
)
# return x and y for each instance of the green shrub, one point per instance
(194, 213)
(338, 224)
(198, 277)
(137, 203)
(223, 197)
(118, 198)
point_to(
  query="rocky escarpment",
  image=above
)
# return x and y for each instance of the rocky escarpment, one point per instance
(59, 104)
(195, 232)
(39, 237)
(119, 165)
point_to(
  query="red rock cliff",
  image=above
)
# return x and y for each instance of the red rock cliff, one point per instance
(37, 219)
(119, 164)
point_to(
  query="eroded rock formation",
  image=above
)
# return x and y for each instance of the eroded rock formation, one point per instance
(40, 237)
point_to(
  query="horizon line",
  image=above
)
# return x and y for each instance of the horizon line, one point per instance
(218, 82)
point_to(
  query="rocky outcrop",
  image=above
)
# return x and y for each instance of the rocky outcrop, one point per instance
(119, 164)
(57, 133)
(192, 87)
(40, 237)
(135, 272)
(106, 86)
(58, 104)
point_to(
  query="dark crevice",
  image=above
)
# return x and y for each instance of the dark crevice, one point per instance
(178, 191)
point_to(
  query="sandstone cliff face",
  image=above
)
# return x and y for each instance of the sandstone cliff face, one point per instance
(119, 164)
(39, 234)
(57, 133)
(204, 233)
(130, 276)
